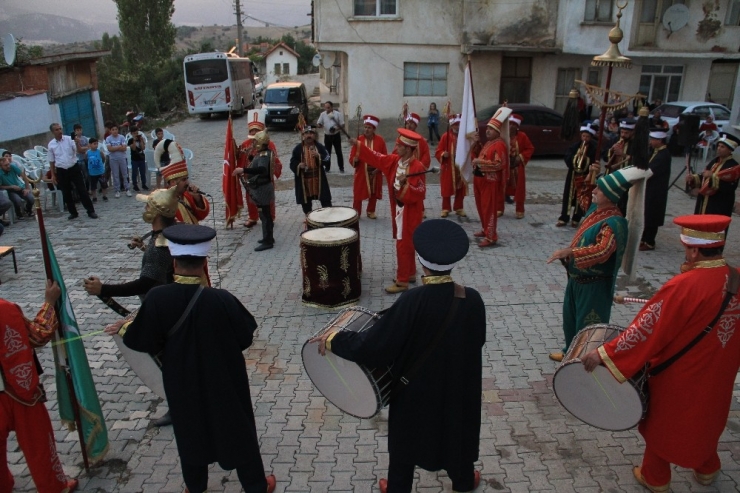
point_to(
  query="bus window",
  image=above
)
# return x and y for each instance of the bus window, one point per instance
(206, 71)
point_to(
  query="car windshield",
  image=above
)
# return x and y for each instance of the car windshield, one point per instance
(671, 110)
(283, 95)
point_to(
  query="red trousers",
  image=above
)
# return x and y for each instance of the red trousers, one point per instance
(406, 259)
(459, 196)
(254, 211)
(657, 471)
(357, 204)
(486, 197)
(35, 436)
(519, 191)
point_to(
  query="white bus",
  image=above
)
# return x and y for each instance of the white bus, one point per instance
(219, 83)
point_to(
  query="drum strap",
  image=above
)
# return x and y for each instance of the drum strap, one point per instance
(732, 289)
(441, 329)
(187, 311)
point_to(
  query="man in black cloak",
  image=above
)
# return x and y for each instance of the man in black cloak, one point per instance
(203, 332)
(433, 336)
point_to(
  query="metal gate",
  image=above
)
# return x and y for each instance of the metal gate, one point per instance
(78, 108)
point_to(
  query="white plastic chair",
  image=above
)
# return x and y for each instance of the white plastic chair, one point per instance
(56, 195)
(10, 212)
(166, 134)
(41, 150)
(151, 167)
(31, 154)
(711, 139)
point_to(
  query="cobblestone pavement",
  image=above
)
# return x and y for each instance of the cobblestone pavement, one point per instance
(528, 441)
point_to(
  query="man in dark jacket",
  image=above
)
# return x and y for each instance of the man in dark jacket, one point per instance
(202, 332)
(433, 335)
(656, 188)
(307, 163)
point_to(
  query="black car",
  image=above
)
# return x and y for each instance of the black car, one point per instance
(284, 101)
(540, 123)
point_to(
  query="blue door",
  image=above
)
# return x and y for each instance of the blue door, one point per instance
(78, 108)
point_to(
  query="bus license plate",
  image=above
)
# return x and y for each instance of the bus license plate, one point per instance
(211, 101)
(279, 120)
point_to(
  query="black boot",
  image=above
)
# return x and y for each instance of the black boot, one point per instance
(165, 420)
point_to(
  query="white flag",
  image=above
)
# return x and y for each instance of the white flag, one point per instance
(468, 128)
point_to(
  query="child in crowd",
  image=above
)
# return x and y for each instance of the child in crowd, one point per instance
(433, 123)
(96, 170)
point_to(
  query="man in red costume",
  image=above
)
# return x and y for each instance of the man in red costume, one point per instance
(520, 152)
(451, 181)
(690, 399)
(406, 190)
(488, 173)
(22, 399)
(193, 206)
(247, 151)
(421, 152)
(368, 183)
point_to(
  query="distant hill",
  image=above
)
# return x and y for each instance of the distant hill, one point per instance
(45, 29)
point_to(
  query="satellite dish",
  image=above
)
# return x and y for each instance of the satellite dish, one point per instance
(327, 59)
(9, 48)
(675, 17)
(316, 60)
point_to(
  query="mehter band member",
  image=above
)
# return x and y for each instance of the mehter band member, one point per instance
(451, 182)
(718, 182)
(368, 182)
(307, 162)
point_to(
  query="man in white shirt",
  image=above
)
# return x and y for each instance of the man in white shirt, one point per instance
(332, 121)
(66, 172)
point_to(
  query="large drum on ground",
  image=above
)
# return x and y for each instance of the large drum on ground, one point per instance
(597, 398)
(335, 217)
(330, 267)
(355, 389)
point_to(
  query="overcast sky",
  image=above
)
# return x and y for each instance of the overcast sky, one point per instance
(190, 12)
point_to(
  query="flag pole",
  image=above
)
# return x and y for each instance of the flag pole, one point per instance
(62, 362)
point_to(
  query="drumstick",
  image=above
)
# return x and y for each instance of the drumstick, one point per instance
(344, 382)
(430, 170)
(593, 374)
(627, 299)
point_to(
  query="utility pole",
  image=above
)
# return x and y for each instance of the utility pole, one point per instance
(239, 14)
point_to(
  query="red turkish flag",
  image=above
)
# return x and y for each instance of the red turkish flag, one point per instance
(230, 184)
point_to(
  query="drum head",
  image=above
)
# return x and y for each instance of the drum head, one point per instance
(342, 382)
(328, 216)
(329, 236)
(597, 398)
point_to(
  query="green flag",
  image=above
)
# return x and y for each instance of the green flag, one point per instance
(71, 353)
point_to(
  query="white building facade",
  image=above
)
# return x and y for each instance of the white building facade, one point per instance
(281, 62)
(386, 53)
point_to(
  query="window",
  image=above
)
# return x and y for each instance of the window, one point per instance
(566, 81)
(720, 113)
(598, 11)
(286, 69)
(206, 71)
(277, 69)
(661, 82)
(516, 78)
(425, 79)
(733, 13)
(376, 7)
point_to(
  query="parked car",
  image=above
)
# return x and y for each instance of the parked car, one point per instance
(259, 86)
(540, 123)
(283, 102)
(670, 112)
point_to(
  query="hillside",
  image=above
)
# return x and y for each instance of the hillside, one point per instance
(45, 29)
(224, 37)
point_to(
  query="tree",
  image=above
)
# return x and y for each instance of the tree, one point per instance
(147, 32)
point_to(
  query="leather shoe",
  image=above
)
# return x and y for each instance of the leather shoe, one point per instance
(271, 482)
(486, 243)
(476, 479)
(264, 246)
(72, 485)
(73, 216)
(480, 234)
(574, 223)
(383, 485)
(705, 479)
(519, 215)
(556, 357)
(560, 223)
(165, 420)
(396, 288)
(250, 223)
(499, 213)
(645, 247)
(444, 213)
(412, 280)
(637, 472)
(372, 215)
(461, 213)
(92, 215)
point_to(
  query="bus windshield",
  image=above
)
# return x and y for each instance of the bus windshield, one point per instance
(206, 71)
(281, 95)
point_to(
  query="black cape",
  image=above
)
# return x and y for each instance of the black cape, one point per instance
(656, 188)
(204, 373)
(723, 201)
(434, 422)
(297, 158)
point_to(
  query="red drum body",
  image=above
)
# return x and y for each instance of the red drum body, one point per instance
(336, 217)
(329, 264)
(355, 389)
(597, 398)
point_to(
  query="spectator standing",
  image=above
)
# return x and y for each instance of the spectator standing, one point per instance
(66, 172)
(164, 160)
(96, 171)
(117, 155)
(332, 121)
(137, 144)
(82, 147)
(433, 122)
(13, 180)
